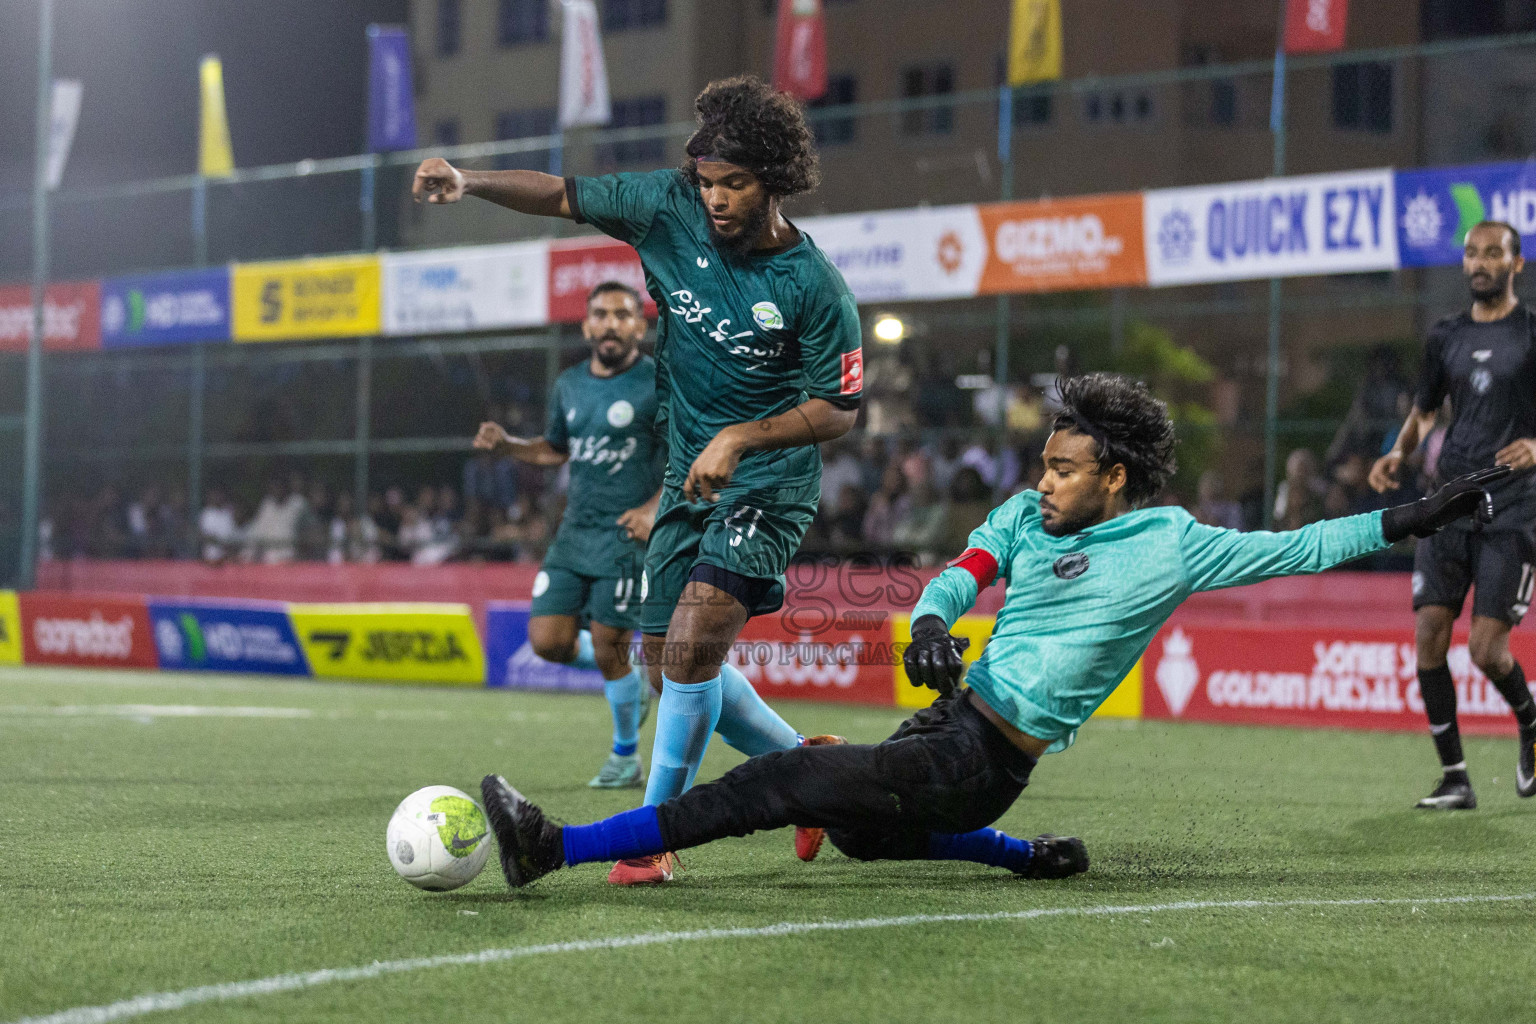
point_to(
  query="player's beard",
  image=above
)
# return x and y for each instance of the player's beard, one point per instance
(742, 242)
(613, 359)
(1498, 283)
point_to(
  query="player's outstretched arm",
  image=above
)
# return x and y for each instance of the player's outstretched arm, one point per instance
(533, 192)
(811, 422)
(1459, 498)
(493, 437)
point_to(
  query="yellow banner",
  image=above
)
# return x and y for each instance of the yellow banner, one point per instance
(215, 158)
(1034, 42)
(407, 643)
(1125, 702)
(319, 298)
(10, 629)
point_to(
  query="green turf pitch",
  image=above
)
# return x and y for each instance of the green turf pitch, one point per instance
(160, 832)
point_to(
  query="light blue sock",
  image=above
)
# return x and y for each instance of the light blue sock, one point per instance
(747, 723)
(624, 701)
(585, 657)
(685, 719)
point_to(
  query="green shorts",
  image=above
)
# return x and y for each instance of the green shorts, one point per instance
(752, 531)
(613, 601)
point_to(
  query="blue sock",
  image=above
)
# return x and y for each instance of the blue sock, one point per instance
(685, 719)
(585, 657)
(747, 723)
(635, 833)
(984, 846)
(624, 701)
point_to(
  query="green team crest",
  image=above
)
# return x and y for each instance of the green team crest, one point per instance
(768, 316)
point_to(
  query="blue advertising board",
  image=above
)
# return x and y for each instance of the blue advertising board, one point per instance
(510, 661)
(172, 308)
(1436, 207)
(226, 636)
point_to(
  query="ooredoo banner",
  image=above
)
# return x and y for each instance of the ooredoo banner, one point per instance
(1277, 227)
(1312, 677)
(414, 643)
(1064, 244)
(226, 636)
(475, 288)
(577, 265)
(71, 317)
(935, 253)
(78, 629)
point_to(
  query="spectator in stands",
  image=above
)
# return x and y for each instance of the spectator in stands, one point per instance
(839, 469)
(218, 532)
(1212, 506)
(140, 516)
(845, 523)
(1380, 404)
(170, 525)
(945, 462)
(104, 525)
(1299, 498)
(312, 530)
(970, 500)
(886, 507)
(270, 536)
(921, 524)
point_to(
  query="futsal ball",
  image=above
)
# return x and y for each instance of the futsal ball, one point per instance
(438, 839)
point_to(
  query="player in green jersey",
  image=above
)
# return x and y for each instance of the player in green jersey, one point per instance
(601, 420)
(1091, 574)
(759, 360)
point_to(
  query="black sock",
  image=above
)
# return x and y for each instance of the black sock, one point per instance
(1514, 690)
(1439, 692)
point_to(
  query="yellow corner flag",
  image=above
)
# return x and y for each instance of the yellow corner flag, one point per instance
(1034, 45)
(214, 157)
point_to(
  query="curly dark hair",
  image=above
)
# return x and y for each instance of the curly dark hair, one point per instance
(1130, 425)
(744, 121)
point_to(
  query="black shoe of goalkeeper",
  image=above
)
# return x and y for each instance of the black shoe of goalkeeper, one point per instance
(1056, 857)
(530, 843)
(1453, 794)
(1525, 769)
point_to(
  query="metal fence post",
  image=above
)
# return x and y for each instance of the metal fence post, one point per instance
(32, 443)
(364, 424)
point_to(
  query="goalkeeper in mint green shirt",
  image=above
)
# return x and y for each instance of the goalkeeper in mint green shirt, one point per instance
(1091, 574)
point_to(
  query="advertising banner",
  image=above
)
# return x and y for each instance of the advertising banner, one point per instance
(226, 636)
(83, 629)
(71, 317)
(1277, 227)
(165, 309)
(1312, 677)
(510, 661)
(847, 660)
(934, 253)
(10, 628)
(318, 298)
(412, 643)
(1437, 206)
(391, 97)
(1064, 244)
(576, 266)
(475, 288)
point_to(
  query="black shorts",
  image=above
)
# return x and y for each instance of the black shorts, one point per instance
(1501, 564)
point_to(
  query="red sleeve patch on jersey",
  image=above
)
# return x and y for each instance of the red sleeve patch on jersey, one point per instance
(979, 563)
(853, 372)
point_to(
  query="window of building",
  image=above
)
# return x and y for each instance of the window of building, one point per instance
(638, 112)
(524, 124)
(446, 132)
(924, 81)
(619, 15)
(1033, 108)
(450, 17)
(1362, 96)
(522, 21)
(842, 90)
(1224, 102)
(1121, 107)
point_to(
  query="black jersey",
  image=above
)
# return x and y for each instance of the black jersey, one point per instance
(1489, 372)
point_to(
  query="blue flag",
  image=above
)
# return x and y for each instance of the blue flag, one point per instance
(391, 98)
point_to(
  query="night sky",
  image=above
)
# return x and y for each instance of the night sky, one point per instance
(294, 79)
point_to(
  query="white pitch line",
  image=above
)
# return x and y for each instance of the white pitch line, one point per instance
(158, 1002)
(152, 711)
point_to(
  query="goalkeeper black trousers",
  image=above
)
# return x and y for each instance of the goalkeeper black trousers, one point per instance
(946, 769)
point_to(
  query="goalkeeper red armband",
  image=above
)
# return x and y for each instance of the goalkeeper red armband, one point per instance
(979, 563)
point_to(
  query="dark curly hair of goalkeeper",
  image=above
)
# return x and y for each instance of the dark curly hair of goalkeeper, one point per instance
(1131, 427)
(743, 121)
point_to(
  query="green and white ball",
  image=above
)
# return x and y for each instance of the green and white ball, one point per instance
(438, 838)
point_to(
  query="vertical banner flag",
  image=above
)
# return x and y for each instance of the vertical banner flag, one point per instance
(215, 159)
(64, 116)
(1315, 26)
(800, 50)
(1034, 43)
(391, 97)
(583, 75)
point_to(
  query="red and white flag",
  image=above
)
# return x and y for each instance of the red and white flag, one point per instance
(583, 75)
(800, 51)
(1315, 26)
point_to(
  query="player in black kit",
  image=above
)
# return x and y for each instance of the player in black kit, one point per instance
(1485, 361)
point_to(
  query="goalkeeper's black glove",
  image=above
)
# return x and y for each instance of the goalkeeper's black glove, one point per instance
(933, 657)
(1463, 496)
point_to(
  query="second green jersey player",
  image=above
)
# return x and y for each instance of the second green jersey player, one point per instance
(601, 422)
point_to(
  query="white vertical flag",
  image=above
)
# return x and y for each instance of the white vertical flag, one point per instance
(583, 76)
(64, 115)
